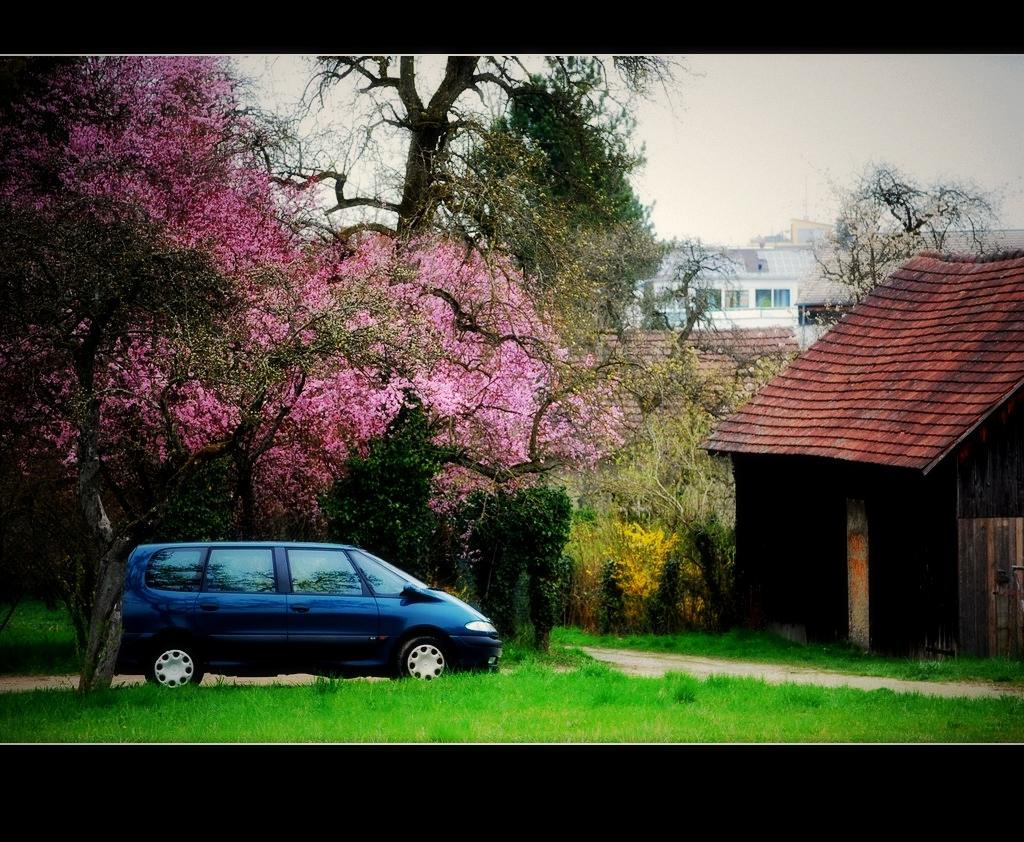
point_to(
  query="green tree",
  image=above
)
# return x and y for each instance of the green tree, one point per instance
(583, 137)
(382, 501)
(567, 116)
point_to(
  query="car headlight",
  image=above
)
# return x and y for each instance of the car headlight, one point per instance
(480, 626)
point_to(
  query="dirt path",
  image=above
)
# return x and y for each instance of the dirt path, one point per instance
(652, 665)
(631, 662)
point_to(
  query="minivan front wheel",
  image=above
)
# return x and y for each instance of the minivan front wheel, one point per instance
(422, 658)
(174, 666)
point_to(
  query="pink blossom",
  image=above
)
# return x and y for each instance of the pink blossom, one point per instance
(461, 333)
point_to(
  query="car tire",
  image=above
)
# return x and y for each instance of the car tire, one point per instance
(174, 666)
(424, 658)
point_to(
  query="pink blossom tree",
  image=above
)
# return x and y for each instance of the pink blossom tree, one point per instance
(133, 225)
(461, 338)
(170, 311)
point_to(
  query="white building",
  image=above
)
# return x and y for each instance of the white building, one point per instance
(775, 281)
(754, 287)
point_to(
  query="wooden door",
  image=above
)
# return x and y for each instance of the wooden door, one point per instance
(991, 586)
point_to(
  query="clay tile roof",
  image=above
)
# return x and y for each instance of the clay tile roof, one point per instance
(745, 343)
(904, 376)
(817, 289)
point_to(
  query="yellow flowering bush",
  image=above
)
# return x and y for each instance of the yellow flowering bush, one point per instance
(632, 577)
(639, 561)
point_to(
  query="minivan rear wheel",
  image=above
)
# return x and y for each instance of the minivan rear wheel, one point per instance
(174, 666)
(423, 658)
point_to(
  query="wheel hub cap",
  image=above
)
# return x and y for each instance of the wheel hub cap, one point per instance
(174, 668)
(425, 662)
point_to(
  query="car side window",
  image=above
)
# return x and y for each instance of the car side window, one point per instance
(382, 580)
(241, 571)
(175, 570)
(323, 572)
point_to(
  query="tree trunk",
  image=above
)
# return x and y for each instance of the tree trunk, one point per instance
(429, 128)
(112, 553)
(417, 206)
(105, 625)
(110, 550)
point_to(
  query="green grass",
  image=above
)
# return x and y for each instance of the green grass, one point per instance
(528, 702)
(37, 641)
(562, 696)
(763, 647)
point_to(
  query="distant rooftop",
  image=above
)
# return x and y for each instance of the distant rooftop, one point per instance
(1006, 239)
(803, 233)
(820, 290)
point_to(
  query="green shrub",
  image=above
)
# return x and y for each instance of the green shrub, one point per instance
(382, 501)
(666, 615)
(549, 585)
(611, 610)
(202, 508)
(712, 550)
(514, 538)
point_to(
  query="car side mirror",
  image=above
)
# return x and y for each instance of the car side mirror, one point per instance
(414, 593)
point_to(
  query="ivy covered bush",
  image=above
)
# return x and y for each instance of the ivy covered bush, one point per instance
(712, 546)
(516, 541)
(201, 509)
(382, 501)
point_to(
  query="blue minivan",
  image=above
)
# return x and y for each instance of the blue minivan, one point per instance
(264, 608)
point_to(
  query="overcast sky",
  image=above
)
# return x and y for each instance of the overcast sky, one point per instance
(746, 142)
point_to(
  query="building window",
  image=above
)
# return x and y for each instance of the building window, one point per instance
(762, 298)
(736, 299)
(781, 298)
(709, 299)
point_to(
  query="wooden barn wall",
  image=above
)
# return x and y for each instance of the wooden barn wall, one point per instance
(990, 506)
(992, 586)
(990, 466)
(791, 548)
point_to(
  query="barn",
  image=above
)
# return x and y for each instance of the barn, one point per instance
(880, 477)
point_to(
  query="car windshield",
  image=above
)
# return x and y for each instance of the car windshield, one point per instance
(400, 573)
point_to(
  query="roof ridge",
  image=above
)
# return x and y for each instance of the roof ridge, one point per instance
(969, 257)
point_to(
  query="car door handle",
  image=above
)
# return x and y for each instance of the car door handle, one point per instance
(301, 609)
(209, 606)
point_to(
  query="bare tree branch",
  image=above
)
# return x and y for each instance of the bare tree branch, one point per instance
(357, 65)
(351, 230)
(500, 473)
